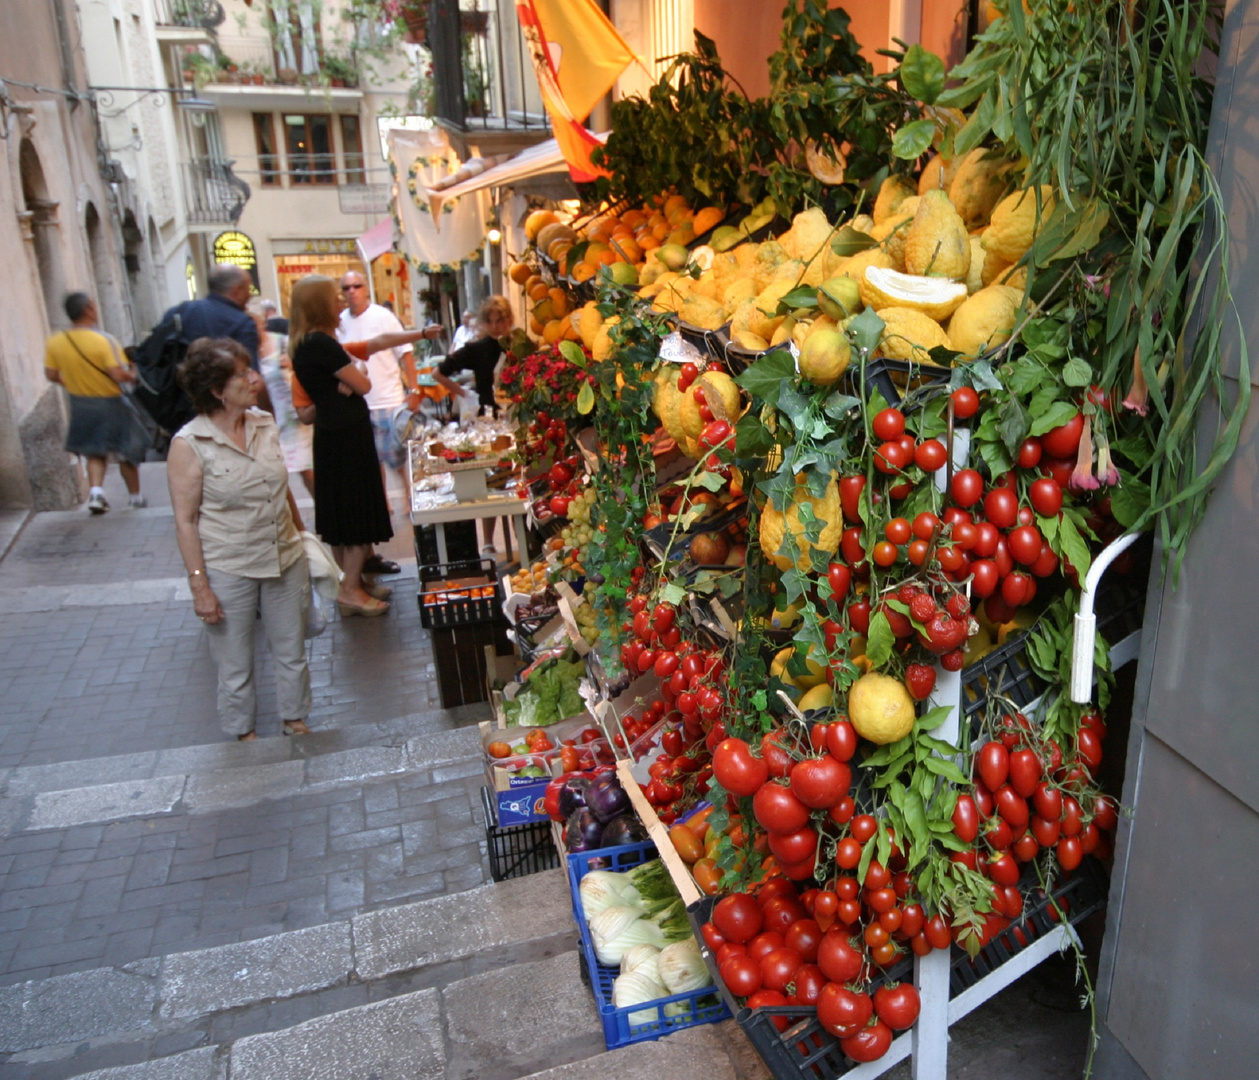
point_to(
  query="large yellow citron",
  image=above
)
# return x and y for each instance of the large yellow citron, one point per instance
(775, 525)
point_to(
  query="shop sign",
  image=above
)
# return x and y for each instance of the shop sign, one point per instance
(237, 249)
(329, 246)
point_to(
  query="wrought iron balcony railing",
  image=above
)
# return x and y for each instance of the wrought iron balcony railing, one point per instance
(215, 195)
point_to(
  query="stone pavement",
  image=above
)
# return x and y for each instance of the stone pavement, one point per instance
(175, 905)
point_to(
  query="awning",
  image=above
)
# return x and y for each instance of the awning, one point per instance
(537, 160)
(376, 241)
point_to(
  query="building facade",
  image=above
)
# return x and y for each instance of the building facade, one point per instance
(60, 230)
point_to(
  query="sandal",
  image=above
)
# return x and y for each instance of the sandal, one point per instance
(249, 736)
(376, 565)
(372, 608)
(379, 592)
(296, 727)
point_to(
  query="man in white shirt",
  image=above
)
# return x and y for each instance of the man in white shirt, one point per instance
(392, 371)
(466, 331)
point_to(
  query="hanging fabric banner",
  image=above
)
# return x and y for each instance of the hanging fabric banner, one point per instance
(432, 242)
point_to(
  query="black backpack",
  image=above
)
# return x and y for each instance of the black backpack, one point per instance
(156, 359)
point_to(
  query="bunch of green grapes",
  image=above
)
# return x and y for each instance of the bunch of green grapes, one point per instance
(585, 616)
(579, 507)
(578, 532)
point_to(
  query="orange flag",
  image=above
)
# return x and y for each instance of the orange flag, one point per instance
(577, 55)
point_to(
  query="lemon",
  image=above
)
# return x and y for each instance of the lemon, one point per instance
(839, 297)
(775, 524)
(935, 297)
(1014, 221)
(985, 320)
(910, 335)
(880, 708)
(894, 191)
(938, 173)
(937, 243)
(824, 357)
(820, 697)
(977, 185)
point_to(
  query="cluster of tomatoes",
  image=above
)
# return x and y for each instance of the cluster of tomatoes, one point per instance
(692, 700)
(546, 437)
(780, 948)
(1028, 797)
(563, 477)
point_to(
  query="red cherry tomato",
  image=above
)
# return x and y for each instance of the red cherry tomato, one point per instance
(965, 402)
(889, 424)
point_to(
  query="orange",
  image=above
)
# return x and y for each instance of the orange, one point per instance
(544, 311)
(559, 301)
(583, 271)
(539, 291)
(708, 218)
(535, 327)
(520, 272)
(630, 250)
(648, 243)
(675, 202)
(536, 221)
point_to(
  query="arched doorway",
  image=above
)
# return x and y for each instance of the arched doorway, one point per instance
(140, 277)
(41, 217)
(108, 300)
(37, 472)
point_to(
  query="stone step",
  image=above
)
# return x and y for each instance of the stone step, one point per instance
(216, 757)
(205, 779)
(494, 968)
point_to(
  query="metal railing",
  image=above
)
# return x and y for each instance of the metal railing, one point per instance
(215, 195)
(206, 14)
(482, 72)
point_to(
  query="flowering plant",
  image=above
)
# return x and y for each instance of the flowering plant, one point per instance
(544, 382)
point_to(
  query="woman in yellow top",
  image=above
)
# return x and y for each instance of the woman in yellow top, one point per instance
(90, 365)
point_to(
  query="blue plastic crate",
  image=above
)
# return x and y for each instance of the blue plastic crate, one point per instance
(704, 1005)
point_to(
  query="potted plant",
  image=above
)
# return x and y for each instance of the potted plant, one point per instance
(340, 70)
(199, 69)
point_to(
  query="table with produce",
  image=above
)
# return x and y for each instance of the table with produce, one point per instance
(868, 394)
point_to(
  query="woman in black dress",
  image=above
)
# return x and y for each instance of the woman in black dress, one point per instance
(480, 356)
(350, 509)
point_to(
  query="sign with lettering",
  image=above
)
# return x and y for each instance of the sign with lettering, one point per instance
(237, 249)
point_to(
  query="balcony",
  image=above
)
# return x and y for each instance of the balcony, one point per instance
(485, 89)
(187, 22)
(213, 193)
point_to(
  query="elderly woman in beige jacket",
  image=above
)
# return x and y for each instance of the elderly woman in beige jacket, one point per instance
(239, 533)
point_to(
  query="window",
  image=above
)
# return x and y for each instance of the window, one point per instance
(268, 152)
(311, 160)
(295, 35)
(352, 148)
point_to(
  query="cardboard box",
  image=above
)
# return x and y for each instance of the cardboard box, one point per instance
(518, 800)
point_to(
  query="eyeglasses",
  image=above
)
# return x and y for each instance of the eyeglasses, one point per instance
(353, 285)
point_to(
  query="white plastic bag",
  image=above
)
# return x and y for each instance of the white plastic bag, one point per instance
(325, 574)
(469, 406)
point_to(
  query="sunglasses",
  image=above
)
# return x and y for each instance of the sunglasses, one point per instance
(347, 288)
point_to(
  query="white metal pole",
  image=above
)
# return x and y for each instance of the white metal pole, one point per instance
(1086, 621)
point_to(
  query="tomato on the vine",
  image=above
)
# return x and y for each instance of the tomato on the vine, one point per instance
(967, 487)
(930, 455)
(897, 1005)
(888, 424)
(965, 402)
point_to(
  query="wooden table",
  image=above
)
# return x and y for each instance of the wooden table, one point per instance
(494, 506)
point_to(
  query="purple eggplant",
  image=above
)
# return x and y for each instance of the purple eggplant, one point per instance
(606, 798)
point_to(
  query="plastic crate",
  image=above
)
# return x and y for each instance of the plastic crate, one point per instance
(1006, 672)
(896, 380)
(517, 850)
(704, 1006)
(1076, 897)
(472, 602)
(805, 1049)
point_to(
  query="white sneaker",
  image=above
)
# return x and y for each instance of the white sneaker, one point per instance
(137, 502)
(96, 504)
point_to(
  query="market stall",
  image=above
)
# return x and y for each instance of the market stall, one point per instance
(846, 485)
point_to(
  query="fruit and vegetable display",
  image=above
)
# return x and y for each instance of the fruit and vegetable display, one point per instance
(549, 693)
(932, 361)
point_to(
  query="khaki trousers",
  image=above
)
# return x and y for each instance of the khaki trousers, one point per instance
(284, 603)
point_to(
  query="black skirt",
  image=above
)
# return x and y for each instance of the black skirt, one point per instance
(350, 506)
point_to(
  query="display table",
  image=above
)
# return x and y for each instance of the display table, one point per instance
(439, 510)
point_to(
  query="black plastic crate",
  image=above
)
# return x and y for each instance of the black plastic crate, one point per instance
(462, 605)
(1074, 898)
(805, 1050)
(1006, 672)
(897, 380)
(517, 850)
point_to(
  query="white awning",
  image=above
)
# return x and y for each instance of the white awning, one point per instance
(537, 160)
(376, 241)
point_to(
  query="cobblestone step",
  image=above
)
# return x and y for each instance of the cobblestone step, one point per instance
(484, 984)
(204, 779)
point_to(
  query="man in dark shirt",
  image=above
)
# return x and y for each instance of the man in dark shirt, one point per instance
(222, 313)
